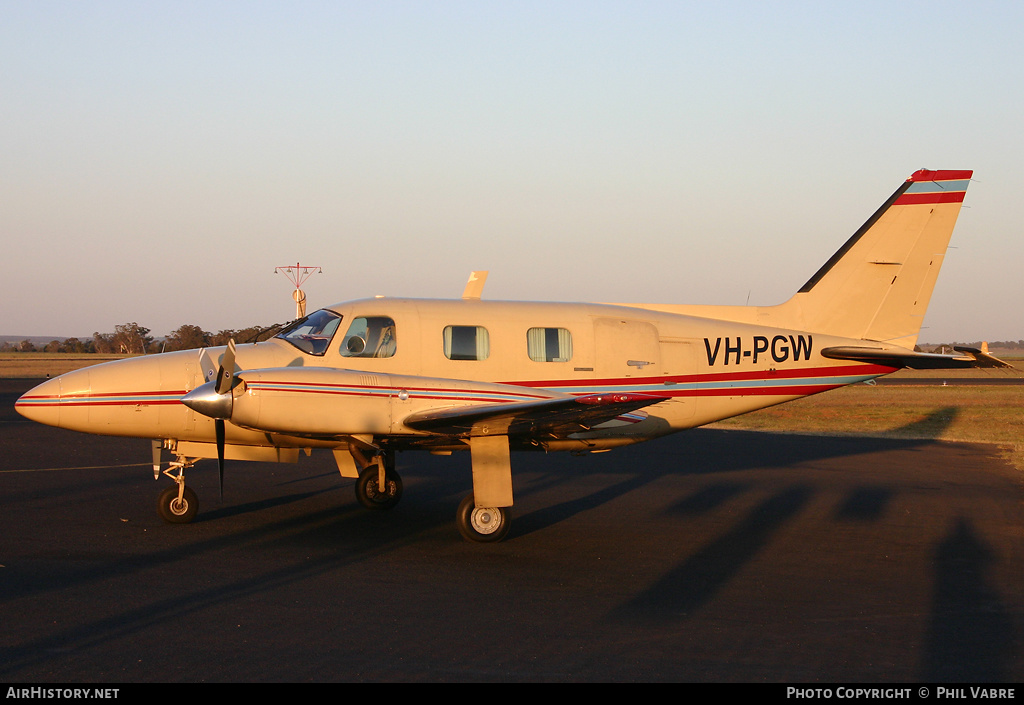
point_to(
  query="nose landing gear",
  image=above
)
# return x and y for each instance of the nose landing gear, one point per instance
(178, 504)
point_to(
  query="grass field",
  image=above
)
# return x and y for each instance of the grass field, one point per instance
(38, 365)
(976, 413)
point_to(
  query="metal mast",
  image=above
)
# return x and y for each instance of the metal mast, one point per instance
(297, 274)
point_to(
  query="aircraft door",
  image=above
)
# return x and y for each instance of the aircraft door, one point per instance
(626, 348)
(679, 365)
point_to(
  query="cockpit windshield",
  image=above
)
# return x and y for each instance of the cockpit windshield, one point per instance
(313, 333)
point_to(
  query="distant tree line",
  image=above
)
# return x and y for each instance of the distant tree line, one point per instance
(131, 338)
(994, 344)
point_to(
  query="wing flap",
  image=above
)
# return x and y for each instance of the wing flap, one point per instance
(558, 416)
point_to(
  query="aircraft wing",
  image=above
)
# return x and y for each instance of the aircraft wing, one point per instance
(901, 357)
(558, 416)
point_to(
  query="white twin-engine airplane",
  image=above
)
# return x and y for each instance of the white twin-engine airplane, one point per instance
(368, 378)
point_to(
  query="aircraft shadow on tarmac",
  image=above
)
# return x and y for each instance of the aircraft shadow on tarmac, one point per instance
(971, 635)
(716, 451)
(971, 632)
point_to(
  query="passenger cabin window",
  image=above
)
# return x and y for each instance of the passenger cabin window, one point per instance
(549, 344)
(466, 343)
(370, 336)
(313, 333)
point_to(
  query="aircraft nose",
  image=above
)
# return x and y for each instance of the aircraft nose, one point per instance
(41, 403)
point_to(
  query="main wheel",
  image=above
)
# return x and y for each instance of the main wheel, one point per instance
(482, 524)
(368, 489)
(176, 511)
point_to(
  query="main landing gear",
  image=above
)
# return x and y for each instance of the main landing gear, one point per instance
(482, 524)
(379, 486)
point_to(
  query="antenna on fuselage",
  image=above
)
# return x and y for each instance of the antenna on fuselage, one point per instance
(475, 286)
(297, 274)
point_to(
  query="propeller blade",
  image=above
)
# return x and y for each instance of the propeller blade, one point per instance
(219, 426)
(227, 369)
(207, 365)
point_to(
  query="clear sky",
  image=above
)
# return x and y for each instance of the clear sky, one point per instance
(159, 160)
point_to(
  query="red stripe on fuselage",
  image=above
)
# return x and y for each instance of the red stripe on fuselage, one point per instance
(423, 392)
(773, 376)
(764, 375)
(795, 390)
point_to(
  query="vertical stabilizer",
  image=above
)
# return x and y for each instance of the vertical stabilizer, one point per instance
(877, 286)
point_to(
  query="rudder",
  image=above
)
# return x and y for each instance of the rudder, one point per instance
(878, 285)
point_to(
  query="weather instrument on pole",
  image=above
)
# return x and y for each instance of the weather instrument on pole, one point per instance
(298, 274)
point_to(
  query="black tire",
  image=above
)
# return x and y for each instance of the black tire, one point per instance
(482, 524)
(175, 512)
(368, 490)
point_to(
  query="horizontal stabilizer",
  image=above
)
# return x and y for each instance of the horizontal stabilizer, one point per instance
(902, 358)
(982, 358)
(558, 416)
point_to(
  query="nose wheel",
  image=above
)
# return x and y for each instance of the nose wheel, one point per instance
(177, 505)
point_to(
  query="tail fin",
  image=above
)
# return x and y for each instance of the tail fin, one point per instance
(877, 286)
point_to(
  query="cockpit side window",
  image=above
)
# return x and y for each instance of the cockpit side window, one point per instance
(313, 333)
(370, 336)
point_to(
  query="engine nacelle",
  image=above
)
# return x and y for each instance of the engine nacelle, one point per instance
(313, 401)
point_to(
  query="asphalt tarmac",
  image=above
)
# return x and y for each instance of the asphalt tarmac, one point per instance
(709, 556)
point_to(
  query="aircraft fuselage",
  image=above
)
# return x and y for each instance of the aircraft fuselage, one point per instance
(510, 351)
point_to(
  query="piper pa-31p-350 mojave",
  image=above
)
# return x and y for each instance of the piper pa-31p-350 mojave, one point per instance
(368, 378)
